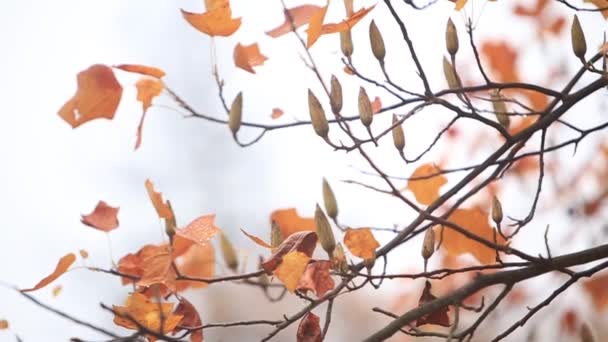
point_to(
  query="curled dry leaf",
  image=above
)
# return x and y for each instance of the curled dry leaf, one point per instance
(289, 222)
(348, 23)
(309, 329)
(156, 267)
(162, 208)
(304, 242)
(361, 242)
(300, 15)
(248, 56)
(62, 266)
(316, 278)
(199, 231)
(315, 25)
(291, 269)
(149, 314)
(191, 319)
(439, 317)
(141, 69)
(426, 188)
(147, 90)
(217, 21)
(257, 240)
(276, 113)
(97, 96)
(103, 217)
(475, 221)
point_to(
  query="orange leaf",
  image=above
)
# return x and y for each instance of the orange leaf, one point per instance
(300, 15)
(148, 89)
(426, 188)
(157, 268)
(257, 240)
(439, 317)
(569, 322)
(83, 253)
(291, 269)
(361, 242)
(197, 262)
(596, 288)
(475, 221)
(200, 231)
(502, 58)
(304, 242)
(141, 69)
(316, 278)
(97, 96)
(62, 266)
(309, 329)
(248, 56)
(348, 23)
(103, 217)
(376, 105)
(191, 319)
(315, 24)
(3, 324)
(289, 222)
(276, 113)
(162, 208)
(210, 5)
(600, 4)
(460, 4)
(147, 313)
(215, 22)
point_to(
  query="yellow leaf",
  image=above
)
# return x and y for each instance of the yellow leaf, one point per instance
(140, 309)
(291, 269)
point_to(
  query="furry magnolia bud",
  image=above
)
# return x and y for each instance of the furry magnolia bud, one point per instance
(428, 245)
(329, 199)
(324, 231)
(346, 43)
(276, 237)
(335, 95)
(228, 252)
(579, 44)
(170, 223)
(338, 259)
(317, 115)
(398, 136)
(449, 74)
(365, 108)
(236, 113)
(500, 110)
(451, 38)
(496, 210)
(377, 43)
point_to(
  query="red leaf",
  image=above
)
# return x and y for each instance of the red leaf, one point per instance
(316, 278)
(103, 217)
(276, 113)
(191, 319)
(309, 329)
(304, 242)
(439, 317)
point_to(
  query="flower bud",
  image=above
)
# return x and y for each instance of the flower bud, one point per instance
(428, 245)
(228, 252)
(335, 95)
(324, 231)
(496, 210)
(450, 74)
(276, 237)
(346, 43)
(585, 333)
(398, 136)
(451, 38)
(338, 259)
(331, 205)
(375, 38)
(500, 110)
(365, 108)
(317, 115)
(236, 113)
(170, 223)
(579, 44)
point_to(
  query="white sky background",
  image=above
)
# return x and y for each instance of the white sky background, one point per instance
(50, 174)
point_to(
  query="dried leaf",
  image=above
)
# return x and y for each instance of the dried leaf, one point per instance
(197, 262)
(62, 266)
(3, 324)
(460, 4)
(276, 113)
(210, 5)
(103, 217)
(316, 278)
(141, 69)
(162, 208)
(191, 319)
(291, 269)
(348, 23)
(309, 329)
(376, 105)
(289, 222)
(148, 89)
(257, 240)
(300, 15)
(97, 96)
(361, 242)
(475, 221)
(315, 25)
(248, 56)
(304, 242)
(439, 317)
(200, 231)
(426, 190)
(217, 21)
(140, 309)
(596, 288)
(157, 268)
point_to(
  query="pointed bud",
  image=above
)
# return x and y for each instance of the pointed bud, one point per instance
(496, 210)
(449, 74)
(335, 95)
(375, 38)
(338, 259)
(331, 205)
(228, 252)
(451, 38)
(317, 115)
(236, 113)
(398, 136)
(365, 108)
(170, 223)
(346, 43)
(324, 231)
(428, 245)
(579, 44)
(500, 110)
(276, 237)
(586, 334)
